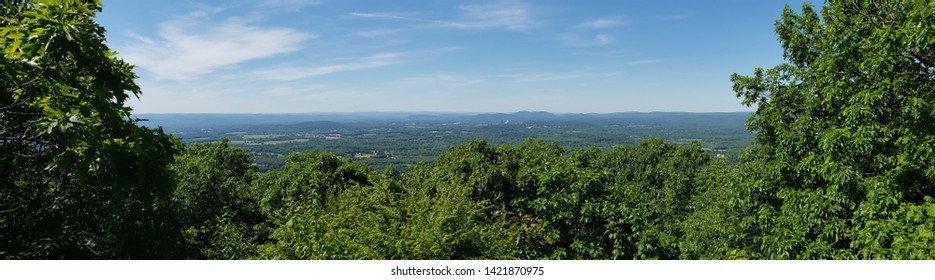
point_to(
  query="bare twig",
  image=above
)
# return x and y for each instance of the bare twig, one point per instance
(9, 210)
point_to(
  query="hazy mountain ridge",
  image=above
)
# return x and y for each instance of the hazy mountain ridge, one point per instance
(193, 121)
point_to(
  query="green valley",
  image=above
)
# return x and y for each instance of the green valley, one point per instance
(403, 139)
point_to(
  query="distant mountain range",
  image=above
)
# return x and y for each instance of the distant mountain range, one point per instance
(175, 122)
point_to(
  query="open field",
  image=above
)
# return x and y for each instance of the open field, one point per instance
(400, 140)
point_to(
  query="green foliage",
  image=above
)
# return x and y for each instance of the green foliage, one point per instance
(80, 178)
(653, 183)
(417, 216)
(311, 179)
(358, 223)
(846, 127)
(842, 167)
(217, 203)
(626, 203)
(909, 233)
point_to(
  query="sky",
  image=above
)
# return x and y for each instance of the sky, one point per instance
(307, 56)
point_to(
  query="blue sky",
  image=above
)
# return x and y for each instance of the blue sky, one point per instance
(299, 56)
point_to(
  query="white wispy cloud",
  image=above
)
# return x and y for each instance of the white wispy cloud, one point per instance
(439, 82)
(604, 54)
(293, 4)
(189, 47)
(512, 15)
(603, 23)
(678, 16)
(576, 40)
(646, 61)
(443, 50)
(456, 81)
(291, 90)
(295, 73)
(541, 77)
(376, 33)
(389, 16)
(446, 80)
(507, 14)
(558, 76)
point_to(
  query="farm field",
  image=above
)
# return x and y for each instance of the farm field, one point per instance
(399, 140)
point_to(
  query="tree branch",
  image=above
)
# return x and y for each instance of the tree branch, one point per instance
(27, 83)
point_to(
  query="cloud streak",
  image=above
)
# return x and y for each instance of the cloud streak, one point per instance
(296, 73)
(292, 4)
(512, 15)
(541, 77)
(647, 61)
(602, 23)
(575, 40)
(390, 16)
(454, 81)
(185, 49)
(376, 33)
(678, 16)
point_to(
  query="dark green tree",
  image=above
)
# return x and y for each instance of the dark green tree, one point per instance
(650, 193)
(310, 179)
(624, 204)
(846, 129)
(335, 209)
(217, 202)
(78, 177)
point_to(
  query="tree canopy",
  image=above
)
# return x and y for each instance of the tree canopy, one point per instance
(81, 178)
(845, 128)
(843, 166)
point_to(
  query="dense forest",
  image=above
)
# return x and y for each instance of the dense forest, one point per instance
(841, 166)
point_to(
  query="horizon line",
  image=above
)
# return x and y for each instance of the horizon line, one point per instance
(424, 112)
